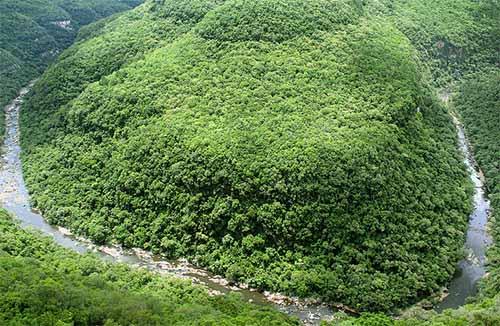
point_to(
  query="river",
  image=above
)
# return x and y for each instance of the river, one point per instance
(472, 268)
(15, 198)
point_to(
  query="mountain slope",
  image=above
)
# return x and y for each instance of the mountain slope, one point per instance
(470, 29)
(454, 38)
(297, 155)
(115, 43)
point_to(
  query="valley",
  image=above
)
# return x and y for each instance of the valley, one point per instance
(291, 159)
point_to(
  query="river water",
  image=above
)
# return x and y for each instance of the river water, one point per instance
(472, 268)
(15, 198)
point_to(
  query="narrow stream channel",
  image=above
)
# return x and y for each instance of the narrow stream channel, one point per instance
(472, 268)
(14, 197)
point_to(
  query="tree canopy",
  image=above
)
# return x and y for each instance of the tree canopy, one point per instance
(43, 284)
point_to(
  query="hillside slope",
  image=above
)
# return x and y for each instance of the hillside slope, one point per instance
(34, 32)
(468, 66)
(303, 155)
(453, 38)
(111, 45)
(477, 101)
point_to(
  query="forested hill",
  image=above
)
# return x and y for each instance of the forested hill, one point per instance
(297, 146)
(34, 32)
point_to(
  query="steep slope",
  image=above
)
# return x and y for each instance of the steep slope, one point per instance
(296, 154)
(460, 41)
(454, 38)
(34, 32)
(114, 44)
(475, 73)
(478, 103)
(43, 284)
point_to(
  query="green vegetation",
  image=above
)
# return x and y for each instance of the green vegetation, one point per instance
(112, 43)
(10, 70)
(43, 284)
(478, 102)
(34, 32)
(473, 65)
(295, 145)
(297, 155)
(454, 38)
(485, 313)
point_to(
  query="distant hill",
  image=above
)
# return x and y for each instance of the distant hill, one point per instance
(34, 32)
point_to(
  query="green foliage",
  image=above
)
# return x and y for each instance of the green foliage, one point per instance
(12, 77)
(33, 32)
(471, 35)
(184, 11)
(366, 319)
(485, 313)
(460, 42)
(293, 145)
(454, 38)
(276, 20)
(460, 38)
(308, 159)
(43, 284)
(116, 42)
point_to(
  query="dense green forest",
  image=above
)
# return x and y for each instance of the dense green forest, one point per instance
(294, 145)
(302, 155)
(454, 38)
(472, 73)
(34, 32)
(477, 100)
(43, 284)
